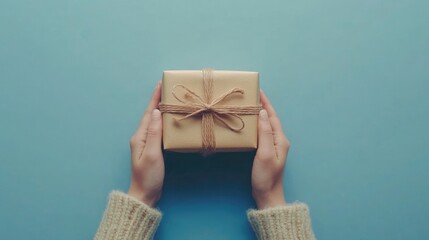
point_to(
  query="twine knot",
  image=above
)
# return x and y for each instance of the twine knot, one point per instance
(207, 108)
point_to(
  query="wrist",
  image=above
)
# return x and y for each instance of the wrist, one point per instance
(148, 199)
(270, 199)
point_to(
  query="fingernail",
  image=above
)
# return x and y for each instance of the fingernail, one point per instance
(263, 114)
(156, 114)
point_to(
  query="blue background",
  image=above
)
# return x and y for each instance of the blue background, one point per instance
(349, 79)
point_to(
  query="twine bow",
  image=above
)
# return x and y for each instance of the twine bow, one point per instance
(209, 109)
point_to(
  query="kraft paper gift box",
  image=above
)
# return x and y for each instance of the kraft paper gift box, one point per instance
(231, 98)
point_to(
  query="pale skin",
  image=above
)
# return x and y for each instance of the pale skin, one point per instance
(147, 162)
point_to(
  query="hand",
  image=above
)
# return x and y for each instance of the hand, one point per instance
(147, 163)
(270, 159)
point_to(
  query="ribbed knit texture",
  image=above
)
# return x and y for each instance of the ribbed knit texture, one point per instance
(127, 218)
(291, 222)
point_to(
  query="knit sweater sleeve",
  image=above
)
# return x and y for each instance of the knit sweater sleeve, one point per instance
(127, 218)
(290, 222)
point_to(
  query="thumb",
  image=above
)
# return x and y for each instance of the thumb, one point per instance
(265, 136)
(154, 131)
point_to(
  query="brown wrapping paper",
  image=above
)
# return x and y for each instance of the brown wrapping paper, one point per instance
(185, 135)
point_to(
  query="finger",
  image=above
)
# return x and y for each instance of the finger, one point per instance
(155, 99)
(275, 121)
(265, 137)
(154, 133)
(280, 140)
(154, 102)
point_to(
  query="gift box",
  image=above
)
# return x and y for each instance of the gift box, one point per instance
(210, 110)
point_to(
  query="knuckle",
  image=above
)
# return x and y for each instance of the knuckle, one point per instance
(266, 128)
(153, 130)
(285, 143)
(268, 131)
(151, 156)
(265, 156)
(133, 141)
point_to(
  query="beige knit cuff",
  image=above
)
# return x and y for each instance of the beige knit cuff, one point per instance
(127, 218)
(288, 222)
